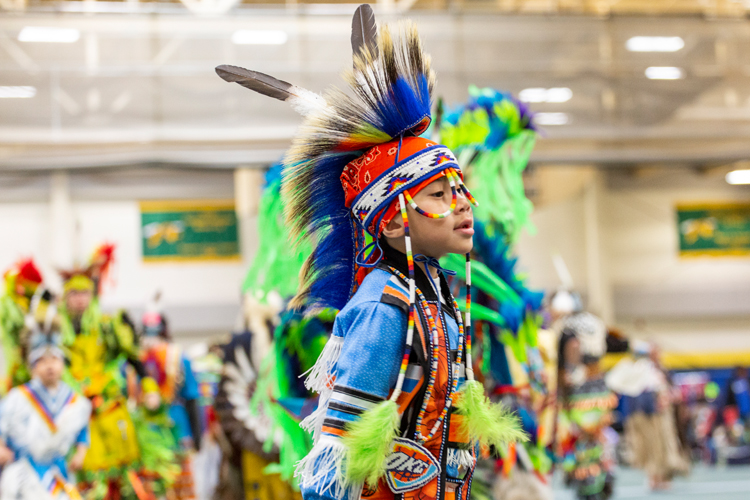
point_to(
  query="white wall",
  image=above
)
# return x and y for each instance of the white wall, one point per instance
(559, 230)
(686, 304)
(642, 242)
(24, 233)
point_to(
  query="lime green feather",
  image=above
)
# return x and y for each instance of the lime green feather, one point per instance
(368, 443)
(11, 326)
(497, 179)
(482, 313)
(486, 423)
(277, 264)
(517, 344)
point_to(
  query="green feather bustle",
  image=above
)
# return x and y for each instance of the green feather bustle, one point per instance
(489, 424)
(277, 266)
(368, 443)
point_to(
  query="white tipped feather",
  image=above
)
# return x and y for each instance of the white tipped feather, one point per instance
(243, 363)
(305, 101)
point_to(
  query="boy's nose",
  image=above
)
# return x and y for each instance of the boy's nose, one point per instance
(462, 204)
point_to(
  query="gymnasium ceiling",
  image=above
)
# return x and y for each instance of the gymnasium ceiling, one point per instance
(134, 82)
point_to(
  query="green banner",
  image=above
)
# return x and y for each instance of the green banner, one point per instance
(189, 230)
(714, 229)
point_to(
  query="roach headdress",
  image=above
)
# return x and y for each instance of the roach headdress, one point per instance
(92, 276)
(358, 156)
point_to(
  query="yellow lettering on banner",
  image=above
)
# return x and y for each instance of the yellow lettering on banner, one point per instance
(208, 221)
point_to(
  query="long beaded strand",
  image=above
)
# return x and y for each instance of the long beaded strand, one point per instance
(464, 338)
(469, 359)
(434, 340)
(412, 288)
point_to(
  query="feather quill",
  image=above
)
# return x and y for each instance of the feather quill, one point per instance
(303, 101)
(364, 31)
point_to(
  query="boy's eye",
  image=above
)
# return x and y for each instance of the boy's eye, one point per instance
(438, 194)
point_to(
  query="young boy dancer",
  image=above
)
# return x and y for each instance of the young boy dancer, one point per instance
(40, 423)
(399, 412)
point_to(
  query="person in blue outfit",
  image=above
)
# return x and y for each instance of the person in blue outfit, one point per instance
(41, 423)
(400, 414)
(738, 393)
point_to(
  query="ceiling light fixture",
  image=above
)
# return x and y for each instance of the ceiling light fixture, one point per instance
(664, 73)
(48, 35)
(259, 37)
(655, 44)
(23, 92)
(557, 94)
(736, 177)
(551, 118)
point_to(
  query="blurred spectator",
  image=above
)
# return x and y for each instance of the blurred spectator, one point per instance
(650, 428)
(738, 392)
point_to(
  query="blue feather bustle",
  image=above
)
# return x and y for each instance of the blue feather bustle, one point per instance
(392, 95)
(494, 252)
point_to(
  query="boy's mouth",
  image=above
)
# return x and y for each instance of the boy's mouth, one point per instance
(466, 227)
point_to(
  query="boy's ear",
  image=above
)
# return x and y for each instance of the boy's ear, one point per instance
(395, 228)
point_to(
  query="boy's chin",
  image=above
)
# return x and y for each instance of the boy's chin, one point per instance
(463, 248)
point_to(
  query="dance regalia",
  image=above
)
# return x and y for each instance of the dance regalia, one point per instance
(364, 377)
(172, 370)
(650, 429)
(585, 460)
(165, 363)
(585, 413)
(392, 419)
(260, 406)
(98, 346)
(95, 371)
(40, 427)
(158, 440)
(274, 390)
(261, 396)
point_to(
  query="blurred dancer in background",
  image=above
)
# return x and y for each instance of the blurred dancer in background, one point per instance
(167, 366)
(585, 404)
(738, 393)
(650, 428)
(41, 422)
(24, 295)
(98, 345)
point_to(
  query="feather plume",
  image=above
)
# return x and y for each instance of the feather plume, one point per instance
(390, 95)
(303, 101)
(487, 423)
(364, 31)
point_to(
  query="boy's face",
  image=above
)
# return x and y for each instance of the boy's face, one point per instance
(78, 301)
(152, 401)
(48, 369)
(437, 237)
